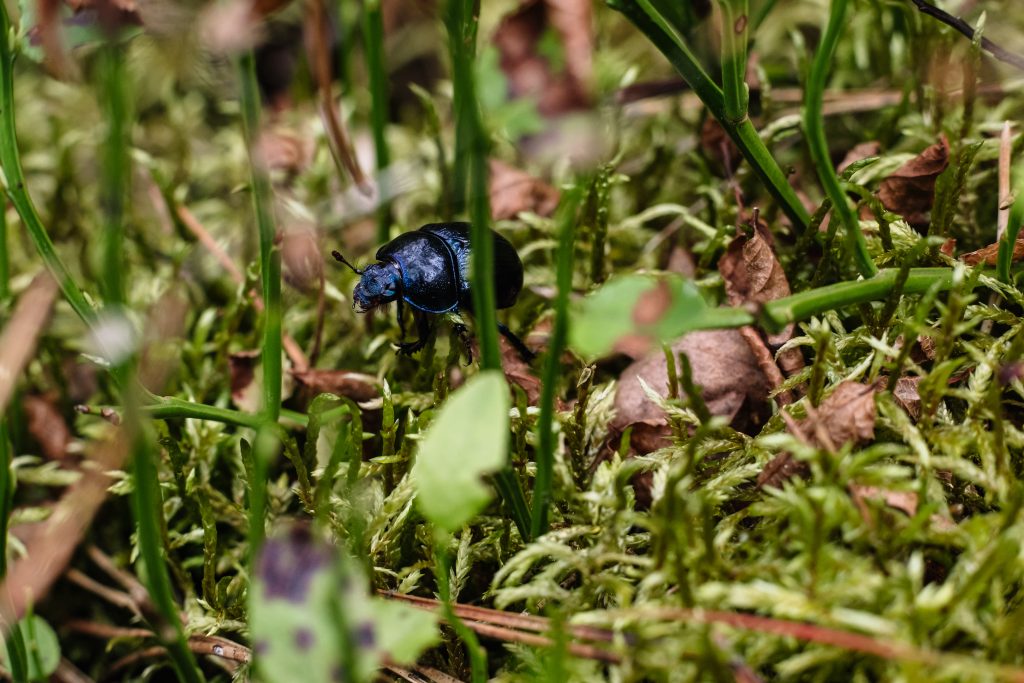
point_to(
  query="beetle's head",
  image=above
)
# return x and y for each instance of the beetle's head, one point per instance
(378, 286)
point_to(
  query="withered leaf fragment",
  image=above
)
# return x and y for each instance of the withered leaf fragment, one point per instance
(514, 191)
(910, 190)
(727, 373)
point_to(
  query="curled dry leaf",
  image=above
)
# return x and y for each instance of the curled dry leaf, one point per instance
(47, 426)
(723, 367)
(353, 385)
(910, 190)
(245, 390)
(279, 149)
(907, 396)
(301, 257)
(905, 501)
(518, 372)
(990, 255)
(514, 191)
(753, 274)
(846, 416)
(556, 88)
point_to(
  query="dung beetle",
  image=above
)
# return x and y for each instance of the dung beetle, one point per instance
(428, 269)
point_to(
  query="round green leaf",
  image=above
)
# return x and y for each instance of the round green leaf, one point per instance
(468, 439)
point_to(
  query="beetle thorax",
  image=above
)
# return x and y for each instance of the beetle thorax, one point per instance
(380, 284)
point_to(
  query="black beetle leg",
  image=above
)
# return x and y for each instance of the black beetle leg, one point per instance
(463, 332)
(422, 329)
(401, 322)
(517, 343)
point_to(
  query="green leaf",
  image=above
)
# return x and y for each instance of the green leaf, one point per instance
(403, 631)
(615, 310)
(311, 611)
(42, 649)
(467, 440)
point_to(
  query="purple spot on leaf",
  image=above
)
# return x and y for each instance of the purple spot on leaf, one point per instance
(261, 647)
(303, 639)
(286, 565)
(364, 635)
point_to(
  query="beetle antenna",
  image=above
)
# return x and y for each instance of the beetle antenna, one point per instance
(341, 259)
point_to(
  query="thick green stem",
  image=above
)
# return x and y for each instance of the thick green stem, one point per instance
(651, 21)
(270, 256)
(116, 170)
(777, 314)
(167, 408)
(373, 41)
(814, 127)
(552, 364)
(13, 178)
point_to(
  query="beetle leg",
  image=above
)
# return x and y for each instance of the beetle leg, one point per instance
(517, 343)
(463, 333)
(422, 329)
(401, 321)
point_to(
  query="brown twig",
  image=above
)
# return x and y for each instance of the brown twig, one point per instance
(315, 26)
(111, 595)
(136, 591)
(958, 24)
(18, 341)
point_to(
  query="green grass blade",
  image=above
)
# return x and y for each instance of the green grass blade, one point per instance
(734, 58)
(649, 17)
(13, 178)
(147, 505)
(552, 365)
(373, 40)
(270, 255)
(116, 169)
(1013, 226)
(814, 126)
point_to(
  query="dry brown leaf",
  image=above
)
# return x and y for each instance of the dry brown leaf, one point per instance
(279, 149)
(846, 416)
(905, 501)
(245, 390)
(301, 257)
(47, 426)
(353, 385)
(753, 274)
(990, 255)
(514, 191)
(530, 75)
(906, 394)
(948, 247)
(780, 469)
(518, 372)
(910, 190)
(727, 373)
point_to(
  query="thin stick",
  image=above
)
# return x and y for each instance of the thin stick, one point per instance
(111, 595)
(295, 353)
(963, 27)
